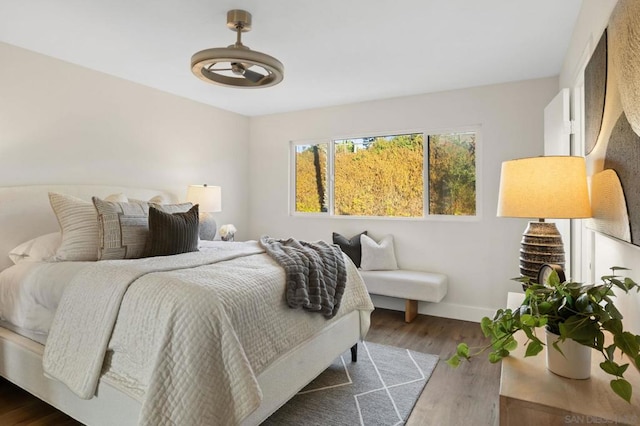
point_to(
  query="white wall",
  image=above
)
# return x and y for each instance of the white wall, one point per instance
(606, 252)
(61, 123)
(479, 256)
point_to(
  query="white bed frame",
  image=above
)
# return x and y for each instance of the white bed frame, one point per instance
(25, 213)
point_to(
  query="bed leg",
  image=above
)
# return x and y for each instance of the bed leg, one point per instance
(354, 353)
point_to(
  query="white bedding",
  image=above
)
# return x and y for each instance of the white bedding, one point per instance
(31, 290)
(30, 293)
(168, 362)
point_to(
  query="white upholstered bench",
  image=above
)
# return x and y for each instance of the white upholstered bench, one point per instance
(410, 285)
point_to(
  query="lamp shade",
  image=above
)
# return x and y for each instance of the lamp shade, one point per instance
(208, 197)
(552, 187)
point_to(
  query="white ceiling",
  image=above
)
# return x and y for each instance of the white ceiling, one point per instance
(334, 51)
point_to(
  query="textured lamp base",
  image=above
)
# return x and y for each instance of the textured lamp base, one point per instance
(541, 243)
(207, 227)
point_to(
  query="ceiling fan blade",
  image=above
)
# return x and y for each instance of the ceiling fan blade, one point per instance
(252, 75)
(211, 67)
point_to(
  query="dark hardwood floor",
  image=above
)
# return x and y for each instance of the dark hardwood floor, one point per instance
(465, 396)
(18, 407)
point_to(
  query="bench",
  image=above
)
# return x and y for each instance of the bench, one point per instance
(413, 286)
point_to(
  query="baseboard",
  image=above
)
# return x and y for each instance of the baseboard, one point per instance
(441, 309)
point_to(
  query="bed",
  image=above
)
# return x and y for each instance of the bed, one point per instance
(25, 213)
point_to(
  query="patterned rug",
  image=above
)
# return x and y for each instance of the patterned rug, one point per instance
(380, 389)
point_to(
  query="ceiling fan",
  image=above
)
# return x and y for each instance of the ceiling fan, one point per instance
(237, 65)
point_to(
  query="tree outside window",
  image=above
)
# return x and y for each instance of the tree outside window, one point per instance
(383, 176)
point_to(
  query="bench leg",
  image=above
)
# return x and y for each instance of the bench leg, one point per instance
(410, 310)
(354, 353)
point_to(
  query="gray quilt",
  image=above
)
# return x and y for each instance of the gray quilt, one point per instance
(315, 273)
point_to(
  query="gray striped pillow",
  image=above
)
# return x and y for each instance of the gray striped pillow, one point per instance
(122, 229)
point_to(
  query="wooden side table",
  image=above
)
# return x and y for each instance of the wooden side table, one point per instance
(532, 395)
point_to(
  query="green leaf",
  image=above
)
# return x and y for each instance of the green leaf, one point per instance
(510, 344)
(529, 332)
(533, 348)
(610, 350)
(618, 284)
(495, 357)
(580, 329)
(618, 268)
(568, 300)
(528, 320)
(622, 388)
(630, 283)
(486, 326)
(623, 368)
(503, 353)
(582, 302)
(609, 367)
(614, 326)
(627, 343)
(553, 279)
(544, 307)
(463, 350)
(557, 347)
(613, 368)
(599, 341)
(498, 314)
(454, 361)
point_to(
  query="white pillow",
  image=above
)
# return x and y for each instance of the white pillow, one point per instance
(378, 256)
(42, 248)
(78, 221)
(118, 198)
(159, 199)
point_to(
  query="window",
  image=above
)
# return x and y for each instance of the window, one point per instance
(452, 174)
(311, 178)
(385, 176)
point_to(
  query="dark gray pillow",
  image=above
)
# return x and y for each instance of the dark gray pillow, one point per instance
(172, 233)
(351, 247)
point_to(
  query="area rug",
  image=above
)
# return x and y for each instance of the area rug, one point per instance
(381, 388)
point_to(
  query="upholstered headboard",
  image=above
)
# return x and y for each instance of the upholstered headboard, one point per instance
(25, 211)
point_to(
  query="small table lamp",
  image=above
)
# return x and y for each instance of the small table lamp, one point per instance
(209, 200)
(545, 188)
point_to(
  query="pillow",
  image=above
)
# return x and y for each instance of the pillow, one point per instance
(351, 247)
(122, 229)
(378, 256)
(172, 233)
(42, 248)
(158, 199)
(171, 208)
(119, 198)
(79, 226)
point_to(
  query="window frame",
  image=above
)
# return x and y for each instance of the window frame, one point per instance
(426, 216)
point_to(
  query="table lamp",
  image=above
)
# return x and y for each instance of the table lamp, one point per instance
(553, 187)
(209, 200)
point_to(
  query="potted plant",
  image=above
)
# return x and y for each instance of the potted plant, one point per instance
(573, 311)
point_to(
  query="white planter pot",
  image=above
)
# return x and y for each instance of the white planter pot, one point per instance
(576, 362)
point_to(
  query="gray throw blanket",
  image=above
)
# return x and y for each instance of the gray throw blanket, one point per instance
(315, 273)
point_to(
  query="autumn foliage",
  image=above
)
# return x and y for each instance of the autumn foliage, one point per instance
(452, 174)
(383, 176)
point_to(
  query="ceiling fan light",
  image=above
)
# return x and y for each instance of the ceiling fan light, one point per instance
(237, 58)
(203, 62)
